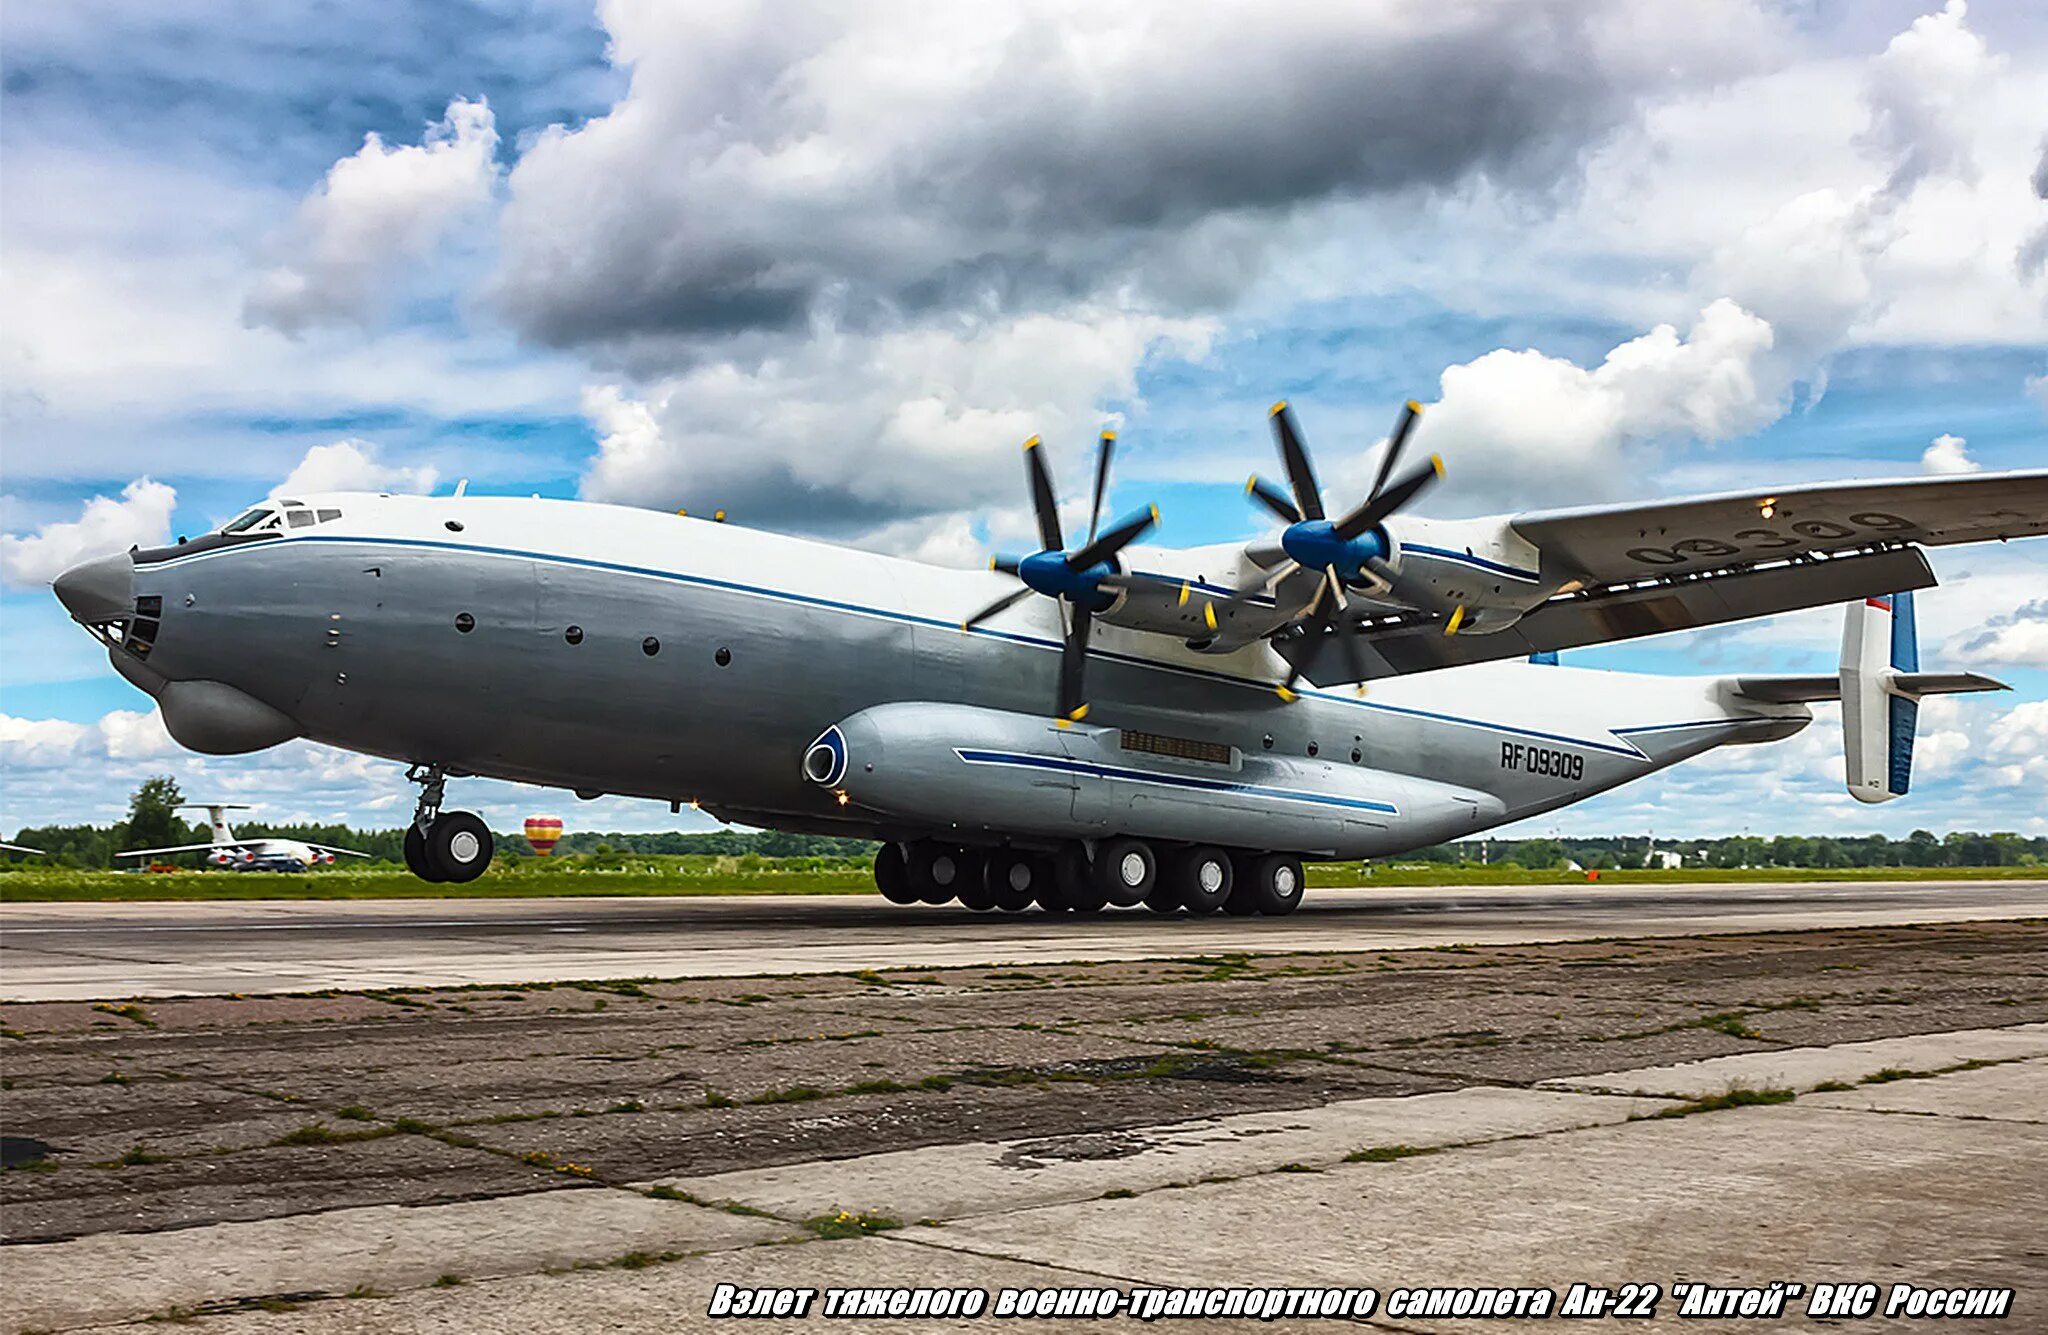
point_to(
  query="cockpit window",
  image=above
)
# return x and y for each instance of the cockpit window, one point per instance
(249, 519)
(300, 518)
(326, 515)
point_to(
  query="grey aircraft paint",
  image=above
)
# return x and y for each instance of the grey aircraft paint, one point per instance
(458, 650)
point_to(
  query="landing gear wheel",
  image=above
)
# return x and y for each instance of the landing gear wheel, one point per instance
(1012, 880)
(892, 875)
(974, 891)
(1274, 884)
(1202, 879)
(1242, 901)
(458, 845)
(937, 871)
(1079, 891)
(1125, 871)
(416, 855)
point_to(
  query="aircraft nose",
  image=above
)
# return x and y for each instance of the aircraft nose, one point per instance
(102, 589)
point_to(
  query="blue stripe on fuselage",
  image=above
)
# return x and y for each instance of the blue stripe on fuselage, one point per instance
(1068, 765)
(906, 618)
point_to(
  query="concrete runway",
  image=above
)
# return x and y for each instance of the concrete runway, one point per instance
(68, 952)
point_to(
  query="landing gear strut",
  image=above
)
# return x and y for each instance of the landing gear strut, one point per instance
(451, 846)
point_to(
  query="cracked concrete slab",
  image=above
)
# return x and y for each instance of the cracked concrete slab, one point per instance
(955, 1181)
(2010, 1092)
(1804, 1068)
(123, 1276)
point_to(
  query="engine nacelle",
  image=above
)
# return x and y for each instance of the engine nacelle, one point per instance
(1481, 565)
(979, 775)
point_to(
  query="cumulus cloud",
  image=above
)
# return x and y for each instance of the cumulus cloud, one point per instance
(866, 161)
(124, 734)
(1925, 94)
(861, 430)
(352, 465)
(2018, 748)
(1948, 455)
(377, 211)
(141, 517)
(2019, 636)
(1524, 427)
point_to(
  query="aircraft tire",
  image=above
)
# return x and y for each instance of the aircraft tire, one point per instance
(1201, 879)
(937, 871)
(892, 875)
(1126, 870)
(1013, 879)
(1242, 901)
(1276, 883)
(416, 855)
(974, 891)
(458, 845)
(1078, 888)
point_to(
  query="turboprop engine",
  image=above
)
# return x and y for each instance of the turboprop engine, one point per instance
(977, 774)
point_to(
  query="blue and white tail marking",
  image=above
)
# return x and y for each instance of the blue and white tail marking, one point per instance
(1879, 645)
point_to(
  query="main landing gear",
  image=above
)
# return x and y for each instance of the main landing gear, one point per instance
(444, 846)
(1119, 872)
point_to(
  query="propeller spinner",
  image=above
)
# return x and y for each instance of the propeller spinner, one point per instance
(1343, 549)
(1084, 579)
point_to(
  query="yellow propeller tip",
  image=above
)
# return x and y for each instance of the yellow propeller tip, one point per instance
(1079, 714)
(1436, 461)
(1062, 723)
(1109, 435)
(1031, 444)
(1277, 409)
(1155, 513)
(1457, 620)
(1183, 595)
(718, 515)
(1285, 694)
(1251, 484)
(1414, 407)
(1209, 615)
(966, 626)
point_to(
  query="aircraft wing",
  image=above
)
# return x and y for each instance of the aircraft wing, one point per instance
(175, 848)
(1612, 544)
(1415, 642)
(329, 848)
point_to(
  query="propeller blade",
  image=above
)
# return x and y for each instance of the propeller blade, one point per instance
(1300, 474)
(1272, 498)
(1043, 504)
(1006, 565)
(1104, 448)
(1318, 623)
(1375, 511)
(1001, 604)
(1121, 535)
(1073, 702)
(1409, 412)
(1270, 581)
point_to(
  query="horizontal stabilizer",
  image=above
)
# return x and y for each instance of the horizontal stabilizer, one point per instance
(1805, 690)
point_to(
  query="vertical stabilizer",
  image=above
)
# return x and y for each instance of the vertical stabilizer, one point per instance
(217, 819)
(1879, 642)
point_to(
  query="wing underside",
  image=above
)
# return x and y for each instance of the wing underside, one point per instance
(1611, 544)
(1415, 642)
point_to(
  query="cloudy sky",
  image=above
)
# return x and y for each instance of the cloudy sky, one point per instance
(826, 266)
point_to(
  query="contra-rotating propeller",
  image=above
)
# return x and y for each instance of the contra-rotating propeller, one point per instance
(1342, 549)
(1084, 579)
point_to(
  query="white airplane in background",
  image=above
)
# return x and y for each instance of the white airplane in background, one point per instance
(19, 848)
(248, 854)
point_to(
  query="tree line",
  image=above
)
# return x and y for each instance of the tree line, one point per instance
(153, 821)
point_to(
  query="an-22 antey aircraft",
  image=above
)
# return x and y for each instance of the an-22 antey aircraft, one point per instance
(1223, 731)
(262, 854)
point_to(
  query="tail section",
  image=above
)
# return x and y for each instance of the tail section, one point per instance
(1879, 644)
(216, 816)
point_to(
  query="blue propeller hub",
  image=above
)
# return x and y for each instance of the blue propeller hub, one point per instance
(1048, 573)
(1315, 544)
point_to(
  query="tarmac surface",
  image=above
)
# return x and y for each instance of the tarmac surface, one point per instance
(1828, 1105)
(91, 951)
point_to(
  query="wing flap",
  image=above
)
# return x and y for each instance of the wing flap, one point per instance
(1608, 544)
(1417, 643)
(175, 848)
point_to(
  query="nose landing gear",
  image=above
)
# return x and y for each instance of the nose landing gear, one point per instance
(452, 846)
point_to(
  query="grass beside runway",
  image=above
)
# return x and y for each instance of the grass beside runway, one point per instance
(528, 878)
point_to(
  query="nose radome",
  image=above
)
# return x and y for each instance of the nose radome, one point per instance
(102, 589)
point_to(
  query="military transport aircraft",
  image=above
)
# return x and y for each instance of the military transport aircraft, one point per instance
(1211, 724)
(248, 854)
